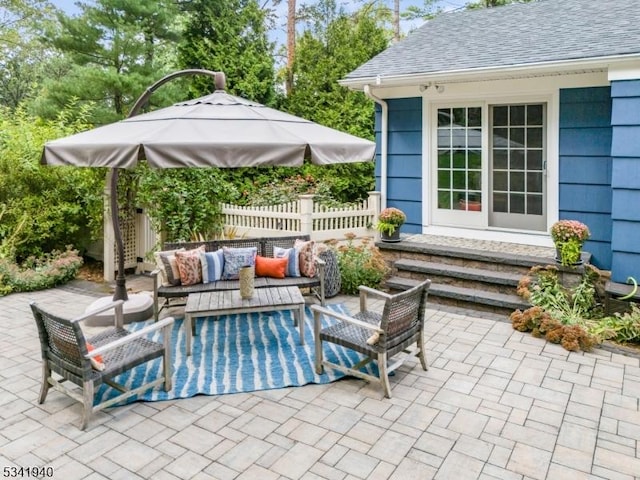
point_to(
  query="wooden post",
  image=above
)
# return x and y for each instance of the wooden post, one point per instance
(306, 214)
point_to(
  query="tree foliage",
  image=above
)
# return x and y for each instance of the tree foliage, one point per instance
(335, 44)
(113, 50)
(184, 203)
(231, 37)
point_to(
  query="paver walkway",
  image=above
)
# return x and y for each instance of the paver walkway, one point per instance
(494, 404)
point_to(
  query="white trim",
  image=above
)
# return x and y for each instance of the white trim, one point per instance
(474, 91)
(624, 72)
(497, 72)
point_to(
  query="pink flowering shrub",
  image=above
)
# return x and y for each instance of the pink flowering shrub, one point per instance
(52, 269)
(393, 216)
(567, 230)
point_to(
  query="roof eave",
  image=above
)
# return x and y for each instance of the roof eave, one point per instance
(491, 73)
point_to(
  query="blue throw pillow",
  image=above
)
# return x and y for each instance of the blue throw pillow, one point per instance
(236, 258)
(212, 265)
(293, 264)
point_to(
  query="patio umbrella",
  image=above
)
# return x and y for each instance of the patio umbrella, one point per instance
(217, 130)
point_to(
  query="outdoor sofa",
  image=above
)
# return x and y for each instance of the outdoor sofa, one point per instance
(165, 296)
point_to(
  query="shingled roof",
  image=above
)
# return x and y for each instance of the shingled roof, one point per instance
(541, 32)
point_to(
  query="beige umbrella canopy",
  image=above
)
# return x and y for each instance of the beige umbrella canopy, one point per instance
(218, 130)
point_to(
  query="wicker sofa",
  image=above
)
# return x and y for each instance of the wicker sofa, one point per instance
(176, 295)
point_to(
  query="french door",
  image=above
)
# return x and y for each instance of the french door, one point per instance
(489, 166)
(518, 167)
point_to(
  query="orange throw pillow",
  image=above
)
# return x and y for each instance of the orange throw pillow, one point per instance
(96, 362)
(271, 267)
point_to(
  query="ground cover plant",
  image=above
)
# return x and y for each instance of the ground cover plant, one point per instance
(47, 271)
(572, 315)
(360, 264)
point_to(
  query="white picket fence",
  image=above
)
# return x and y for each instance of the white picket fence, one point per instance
(303, 216)
(306, 217)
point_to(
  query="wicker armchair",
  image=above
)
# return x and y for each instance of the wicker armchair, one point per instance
(379, 336)
(65, 352)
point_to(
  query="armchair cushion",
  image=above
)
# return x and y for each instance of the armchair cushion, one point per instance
(306, 256)
(235, 258)
(212, 265)
(189, 266)
(168, 266)
(271, 267)
(293, 261)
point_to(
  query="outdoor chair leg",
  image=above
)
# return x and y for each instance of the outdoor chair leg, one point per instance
(421, 355)
(87, 404)
(167, 360)
(318, 343)
(44, 388)
(384, 375)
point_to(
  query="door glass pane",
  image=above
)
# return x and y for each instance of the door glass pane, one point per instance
(534, 204)
(500, 202)
(516, 203)
(444, 179)
(534, 182)
(459, 158)
(444, 159)
(517, 156)
(444, 199)
(516, 115)
(534, 115)
(500, 116)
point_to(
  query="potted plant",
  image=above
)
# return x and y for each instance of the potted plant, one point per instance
(568, 237)
(389, 222)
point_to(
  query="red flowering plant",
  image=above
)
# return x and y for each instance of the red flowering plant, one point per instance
(568, 237)
(389, 219)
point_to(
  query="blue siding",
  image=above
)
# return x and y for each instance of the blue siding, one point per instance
(625, 152)
(404, 159)
(585, 165)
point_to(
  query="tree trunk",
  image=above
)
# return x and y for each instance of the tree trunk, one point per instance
(396, 20)
(291, 44)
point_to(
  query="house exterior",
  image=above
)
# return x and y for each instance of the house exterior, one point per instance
(495, 123)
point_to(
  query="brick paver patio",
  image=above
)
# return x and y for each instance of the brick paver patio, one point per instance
(494, 404)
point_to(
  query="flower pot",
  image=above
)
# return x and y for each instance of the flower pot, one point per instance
(559, 258)
(394, 237)
(471, 205)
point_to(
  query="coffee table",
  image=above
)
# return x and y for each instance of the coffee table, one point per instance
(225, 302)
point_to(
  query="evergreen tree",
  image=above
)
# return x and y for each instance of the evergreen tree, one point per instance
(230, 37)
(111, 53)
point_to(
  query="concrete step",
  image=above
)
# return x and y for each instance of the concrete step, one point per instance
(490, 280)
(463, 296)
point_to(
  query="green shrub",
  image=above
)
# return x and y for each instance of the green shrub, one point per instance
(44, 208)
(47, 271)
(360, 265)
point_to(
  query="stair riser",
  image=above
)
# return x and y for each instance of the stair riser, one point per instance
(459, 282)
(392, 256)
(470, 305)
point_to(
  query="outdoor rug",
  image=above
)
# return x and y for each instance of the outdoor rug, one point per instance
(238, 353)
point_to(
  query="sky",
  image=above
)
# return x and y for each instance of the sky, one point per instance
(70, 7)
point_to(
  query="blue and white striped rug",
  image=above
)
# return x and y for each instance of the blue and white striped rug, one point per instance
(238, 353)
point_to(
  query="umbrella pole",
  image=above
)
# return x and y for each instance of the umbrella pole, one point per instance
(121, 287)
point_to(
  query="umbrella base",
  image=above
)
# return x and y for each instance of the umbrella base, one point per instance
(137, 308)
